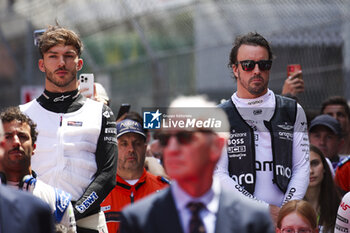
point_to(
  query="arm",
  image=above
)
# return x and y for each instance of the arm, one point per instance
(301, 167)
(106, 159)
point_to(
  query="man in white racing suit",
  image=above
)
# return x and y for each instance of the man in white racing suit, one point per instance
(76, 147)
(268, 149)
(15, 168)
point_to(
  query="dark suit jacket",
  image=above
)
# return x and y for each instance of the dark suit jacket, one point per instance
(22, 212)
(157, 214)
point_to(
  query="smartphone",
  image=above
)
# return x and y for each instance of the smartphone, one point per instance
(292, 69)
(87, 83)
(37, 34)
(124, 108)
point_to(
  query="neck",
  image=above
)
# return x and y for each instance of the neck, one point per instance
(17, 176)
(196, 187)
(248, 95)
(312, 195)
(129, 174)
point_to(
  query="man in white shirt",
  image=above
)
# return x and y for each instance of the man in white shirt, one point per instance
(195, 202)
(268, 149)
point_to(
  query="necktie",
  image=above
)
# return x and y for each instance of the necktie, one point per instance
(196, 224)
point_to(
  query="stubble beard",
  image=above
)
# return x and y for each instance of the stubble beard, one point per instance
(64, 82)
(256, 90)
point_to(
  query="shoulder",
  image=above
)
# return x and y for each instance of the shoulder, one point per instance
(148, 204)
(160, 180)
(21, 199)
(242, 203)
(344, 162)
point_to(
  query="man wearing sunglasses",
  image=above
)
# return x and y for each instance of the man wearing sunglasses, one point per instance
(195, 202)
(267, 153)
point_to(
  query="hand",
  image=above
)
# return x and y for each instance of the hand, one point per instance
(294, 84)
(153, 166)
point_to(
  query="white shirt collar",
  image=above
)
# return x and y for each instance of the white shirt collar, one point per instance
(210, 199)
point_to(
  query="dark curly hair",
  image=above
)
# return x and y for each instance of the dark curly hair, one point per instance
(252, 38)
(14, 113)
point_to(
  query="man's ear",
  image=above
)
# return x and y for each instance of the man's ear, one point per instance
(41, 65)
(235, 70)
(217, 146)
(80, 64)
(34, 147)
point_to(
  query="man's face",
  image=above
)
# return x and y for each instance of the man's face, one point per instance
(18, 147)
(338, 112)
(188, 159)
(326, 140)
(61, 64)
(251, 84)
(131, 152)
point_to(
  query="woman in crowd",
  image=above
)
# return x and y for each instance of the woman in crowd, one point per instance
(297, 216)
(322, 193)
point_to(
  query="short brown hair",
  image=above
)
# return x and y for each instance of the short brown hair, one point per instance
(14, 113)
(302, 208)
(55, 35)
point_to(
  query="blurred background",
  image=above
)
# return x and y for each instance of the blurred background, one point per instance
(146, 52)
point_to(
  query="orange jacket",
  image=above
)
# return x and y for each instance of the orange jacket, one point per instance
(342, 174)
(124, 194)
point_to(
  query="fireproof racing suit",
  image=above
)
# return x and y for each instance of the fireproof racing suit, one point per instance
(58, 200)
(342, 223)
(256, 113)
(124, 194)
(76, 148)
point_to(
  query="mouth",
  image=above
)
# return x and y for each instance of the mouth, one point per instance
(61, 72)
(312, 179)
(16, 153)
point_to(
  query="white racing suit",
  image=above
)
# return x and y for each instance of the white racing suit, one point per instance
(58, 200)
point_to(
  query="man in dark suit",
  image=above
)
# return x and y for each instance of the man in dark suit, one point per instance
(195, 202)
(20, 211)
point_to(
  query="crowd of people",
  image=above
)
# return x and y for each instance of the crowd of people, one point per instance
(270, 167)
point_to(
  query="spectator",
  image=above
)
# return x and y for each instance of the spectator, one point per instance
(325, 134)
(76, 148)
(22, 212)
(19, 145)
(194, 200)
(322, 193)
(342, 174)
(133, 181)
(293, 85)
(267, 152)
(343, 217)
(297, 216)
(337, 107)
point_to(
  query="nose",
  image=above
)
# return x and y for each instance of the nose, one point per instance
(16, 141)
(256, 69)
(173, 144)
(62, 62)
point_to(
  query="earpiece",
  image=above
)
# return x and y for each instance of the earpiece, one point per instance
(28, 183)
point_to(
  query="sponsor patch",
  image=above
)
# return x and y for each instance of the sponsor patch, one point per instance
(87, 203)
(286, 126)
(111, 130)
(75, 123)
(106, 114)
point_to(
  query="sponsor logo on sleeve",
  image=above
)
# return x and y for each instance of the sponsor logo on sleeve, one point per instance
(87, 203)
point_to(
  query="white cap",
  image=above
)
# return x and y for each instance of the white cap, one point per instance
(101, 92)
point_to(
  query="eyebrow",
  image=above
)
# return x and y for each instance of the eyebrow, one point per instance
(68, 52)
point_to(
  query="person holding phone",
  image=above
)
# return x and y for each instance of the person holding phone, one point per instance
(268, 149)
(77, 145)
(293, 84)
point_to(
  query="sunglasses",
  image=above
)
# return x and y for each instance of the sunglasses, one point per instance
(249, 65)
(183, 137)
